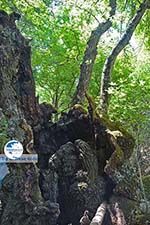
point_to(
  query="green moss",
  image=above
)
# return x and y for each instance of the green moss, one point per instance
(119, 153)
(114, 126)
(142, 219)
(80, 107)
(117, 157)
(146, 183)
(3, 131)
(125, 141)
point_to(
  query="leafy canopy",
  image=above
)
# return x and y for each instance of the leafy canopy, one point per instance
(59, 31)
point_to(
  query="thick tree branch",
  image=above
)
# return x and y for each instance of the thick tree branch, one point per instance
(106, 75)
(99, 216)
(119, 215)
(90, 55)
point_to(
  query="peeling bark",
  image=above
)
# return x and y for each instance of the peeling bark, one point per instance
(119, 215)
(100, 213)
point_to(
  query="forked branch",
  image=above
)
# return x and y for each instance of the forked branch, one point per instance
(90, 55)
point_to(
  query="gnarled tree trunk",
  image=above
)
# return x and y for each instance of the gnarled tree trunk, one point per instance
(79, 157)
(21, 198)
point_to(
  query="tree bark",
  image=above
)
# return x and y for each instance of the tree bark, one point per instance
(100, 213)
(109, 63)
(20, 107)
(90, 55)
(71, 162)
(119, 215)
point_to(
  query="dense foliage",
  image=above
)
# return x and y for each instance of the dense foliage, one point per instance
(58, 32)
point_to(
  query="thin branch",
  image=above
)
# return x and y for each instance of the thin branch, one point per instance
(90, 55)
(109, 63)
(91, 14)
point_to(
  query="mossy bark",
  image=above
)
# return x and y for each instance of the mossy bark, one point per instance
(73, 154)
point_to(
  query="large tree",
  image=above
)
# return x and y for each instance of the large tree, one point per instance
(80, 156)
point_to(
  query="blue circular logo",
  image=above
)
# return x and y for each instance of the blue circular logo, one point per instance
(13, 149)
